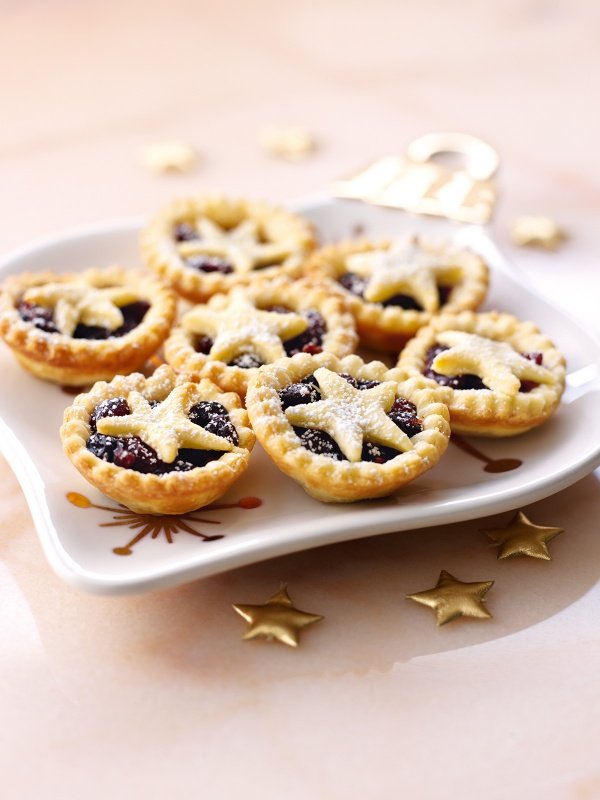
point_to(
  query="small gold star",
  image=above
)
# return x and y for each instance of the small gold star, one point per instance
(241, 327)
(498, 365)
(537, 232)
(404, 268)
(276, 619)
(78, 301)
(240, 246)
(166, 426)
(451, 598)
(522, 537)
(170, 157)
(351, 415)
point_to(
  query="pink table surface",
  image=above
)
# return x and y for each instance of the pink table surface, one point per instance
(156, 695)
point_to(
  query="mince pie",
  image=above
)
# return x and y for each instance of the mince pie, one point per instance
(344, 429)
(209, 244)
(75, 329)
(394, 288)
(234, 334)
(161, 445)
(501, 375)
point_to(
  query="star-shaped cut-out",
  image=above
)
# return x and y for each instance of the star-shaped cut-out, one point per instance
(521, 537)
(451, 598)
(241, 246)
(537, 232)
(276, 619)
(498, 364)
(170, 157)
(166, 426)
(77, 301)
(351, 416)
(243, 328)
(403, 269)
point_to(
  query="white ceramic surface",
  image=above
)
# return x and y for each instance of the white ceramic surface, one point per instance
(80, 543)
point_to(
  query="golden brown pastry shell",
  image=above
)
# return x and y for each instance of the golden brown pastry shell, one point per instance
(78, 362)
(174, 492)
(342, 481)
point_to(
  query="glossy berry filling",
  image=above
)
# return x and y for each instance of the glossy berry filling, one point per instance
(468, 381)
(130, 452)
(43, 318)
(403, 413)
(184, 232)
(356, 284)
(205, 263)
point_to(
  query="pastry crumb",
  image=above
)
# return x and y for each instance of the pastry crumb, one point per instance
(170, 157)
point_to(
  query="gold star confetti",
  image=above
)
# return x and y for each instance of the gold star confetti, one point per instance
(498, 365)
(451, 598)
(77, 301)
(277, 619)
(522, 537)
(166, 426)
(541, 232)
(351, 416)
(241, 328)
(170, 157)
(241, 246)
(293, 144)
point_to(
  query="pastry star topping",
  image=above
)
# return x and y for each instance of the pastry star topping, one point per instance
(498, 365)
(240, 246)
(276, 619)
(242, 328)
(77, 301)
(165, 426)
(523, 538)
(403, 269)
(451, 598)
(351, 415)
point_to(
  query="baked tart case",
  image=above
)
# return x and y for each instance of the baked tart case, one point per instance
(204, 245)
(76, 328)
(347, 430)
(502, 375)
(394, 288)
(230, 337)
(167, 444)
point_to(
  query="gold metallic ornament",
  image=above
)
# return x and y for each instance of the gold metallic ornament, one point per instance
(451, 598)
(420, 184)
(537, 232)
(276, 619)
(522, 537)
(170, 157)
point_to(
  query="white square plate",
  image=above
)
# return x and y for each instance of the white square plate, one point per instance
(103, 548)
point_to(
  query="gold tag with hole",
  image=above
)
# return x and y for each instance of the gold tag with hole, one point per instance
(418, 184)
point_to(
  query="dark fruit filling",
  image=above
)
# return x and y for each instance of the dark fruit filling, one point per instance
(444, 294)
(206, 263)
(184, 232)
(311, 340)
(356, 284)
(470, 381)
(42, 318)
(130, 452)
(246, 361)
(203, 344)
(403, 413)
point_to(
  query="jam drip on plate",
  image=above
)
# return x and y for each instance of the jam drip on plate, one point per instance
(356, 285)
(43, 318)
(470, 381)
(403, 413)
(130, 452)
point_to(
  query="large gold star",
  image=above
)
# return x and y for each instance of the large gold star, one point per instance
(403, 269)
(522, 538)
(242, 328)
(77, 301)
(351, 416)
(276, 619)
(451, 598)
(498, 365)
(166, 426)
(241, 246)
